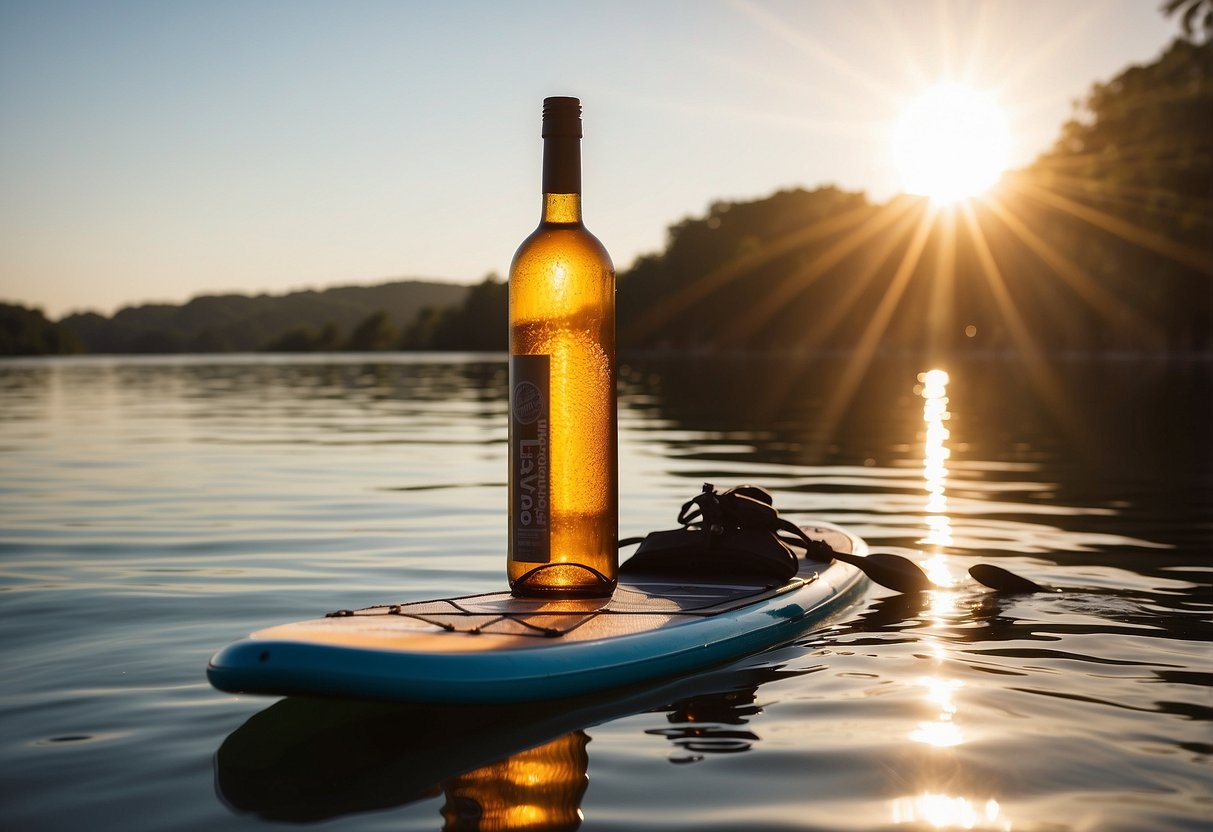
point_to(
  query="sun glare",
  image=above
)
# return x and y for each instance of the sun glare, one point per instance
(951, 143)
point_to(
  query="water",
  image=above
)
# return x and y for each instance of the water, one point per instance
(154, 510)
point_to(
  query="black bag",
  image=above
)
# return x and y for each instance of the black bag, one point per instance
(735, 533)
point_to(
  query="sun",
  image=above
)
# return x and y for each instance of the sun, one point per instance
(951, 143)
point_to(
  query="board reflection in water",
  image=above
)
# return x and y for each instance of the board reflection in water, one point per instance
(507, 767)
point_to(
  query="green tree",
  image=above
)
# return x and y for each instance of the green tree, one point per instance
(375, 332)
(1135, 169)
(480, 323)
(25, 331)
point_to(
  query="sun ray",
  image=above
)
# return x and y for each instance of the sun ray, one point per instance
(1076, 29)
(1074, 168)
(1002, 297)
(814, 50)
(946, 37)
(820, 329)
(1143, 155)
(766, 78)
(671, 305)
(1152, 241)
(833, 317)
(1107, 305)
(976, 43)
(1048, 386)
(732, 114)
(893, 30)
(1195, 209)
(767, 305)
(865, 349)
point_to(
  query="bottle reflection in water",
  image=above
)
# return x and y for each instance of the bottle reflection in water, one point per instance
(539, 790)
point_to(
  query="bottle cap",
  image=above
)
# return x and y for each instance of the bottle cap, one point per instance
(561, 117)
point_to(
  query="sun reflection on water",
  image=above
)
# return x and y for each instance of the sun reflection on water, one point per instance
(942, 811)
(933, 387)
(941, 732)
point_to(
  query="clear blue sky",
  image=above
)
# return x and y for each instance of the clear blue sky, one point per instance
(160, 149)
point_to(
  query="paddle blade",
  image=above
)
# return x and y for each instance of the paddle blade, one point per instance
(898, 573)
(888, 570)
(997, 578)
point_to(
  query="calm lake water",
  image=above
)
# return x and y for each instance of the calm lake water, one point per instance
(153, 510)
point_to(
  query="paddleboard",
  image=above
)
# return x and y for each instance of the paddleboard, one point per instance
(495, 649)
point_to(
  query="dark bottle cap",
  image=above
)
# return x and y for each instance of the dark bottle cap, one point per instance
(561, 117)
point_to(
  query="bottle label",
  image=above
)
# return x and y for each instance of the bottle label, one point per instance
(530, 460)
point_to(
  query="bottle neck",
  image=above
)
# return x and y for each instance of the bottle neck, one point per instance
(561, 179)
(561, 209)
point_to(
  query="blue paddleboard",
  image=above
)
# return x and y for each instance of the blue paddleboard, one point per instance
(495, 649)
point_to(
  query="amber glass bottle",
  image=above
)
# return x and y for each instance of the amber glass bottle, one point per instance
(563, 467)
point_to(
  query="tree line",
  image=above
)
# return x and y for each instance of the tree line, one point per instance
(341, 318)
(1101, 244)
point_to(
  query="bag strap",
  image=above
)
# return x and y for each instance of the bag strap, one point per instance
(740, 507)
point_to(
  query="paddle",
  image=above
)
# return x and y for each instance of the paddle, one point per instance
(903, 575)
(997, 578)
(889, 570)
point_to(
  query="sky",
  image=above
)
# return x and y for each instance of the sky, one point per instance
(155, 150)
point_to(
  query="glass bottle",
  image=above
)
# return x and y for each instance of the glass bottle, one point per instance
(563, 478)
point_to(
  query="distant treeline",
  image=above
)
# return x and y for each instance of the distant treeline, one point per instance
(27, 332)
(346, 318)
(1102, 244)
